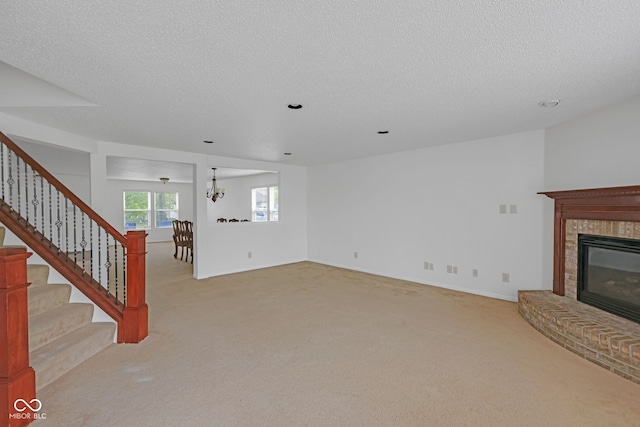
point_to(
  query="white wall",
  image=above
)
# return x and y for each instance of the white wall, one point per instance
(600, 149)
(79, 185)
(70, 167)
(438, 205)
(113, 210)
(224, 247)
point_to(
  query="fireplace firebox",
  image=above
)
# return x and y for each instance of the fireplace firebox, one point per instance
(609, 274)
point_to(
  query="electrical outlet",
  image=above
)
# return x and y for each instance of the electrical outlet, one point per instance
(513, 209)
(430, 266)
(426, 265)
(475, 272)
(505, 277)
(355, 255)
(455, 269)
(249, 254)
(449, 268)
(503, 209)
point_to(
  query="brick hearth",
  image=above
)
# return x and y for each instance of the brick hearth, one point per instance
(600, 337)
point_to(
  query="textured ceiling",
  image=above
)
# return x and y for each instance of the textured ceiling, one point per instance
(173, 73)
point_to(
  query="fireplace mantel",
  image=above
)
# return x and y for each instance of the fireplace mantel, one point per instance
(608, 204)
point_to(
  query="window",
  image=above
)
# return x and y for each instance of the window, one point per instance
(264, 202)
(136, 209)
(166, 206)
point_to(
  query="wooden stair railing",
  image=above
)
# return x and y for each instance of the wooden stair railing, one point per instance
(109, 268)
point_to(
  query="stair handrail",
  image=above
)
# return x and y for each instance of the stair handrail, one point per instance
(131, 314)
(63, 189)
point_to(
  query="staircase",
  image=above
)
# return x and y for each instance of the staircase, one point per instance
(61, 335)
(41, 330)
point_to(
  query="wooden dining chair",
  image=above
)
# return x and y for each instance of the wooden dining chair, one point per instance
(183, 239)
(179, 238)
(188, 230)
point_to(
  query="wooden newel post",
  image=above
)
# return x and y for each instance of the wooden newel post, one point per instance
(135, 325)
(17, 378)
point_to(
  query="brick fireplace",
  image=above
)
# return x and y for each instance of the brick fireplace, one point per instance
(603, 338)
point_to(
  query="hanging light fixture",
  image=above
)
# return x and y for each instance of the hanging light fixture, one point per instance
(215, 193)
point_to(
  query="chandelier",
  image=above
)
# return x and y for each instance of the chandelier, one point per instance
(215, 193)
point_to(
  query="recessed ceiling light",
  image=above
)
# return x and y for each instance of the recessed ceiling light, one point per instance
(549, 103)
(294, 106)
(208, 142)
(287, 154)
(383, 132)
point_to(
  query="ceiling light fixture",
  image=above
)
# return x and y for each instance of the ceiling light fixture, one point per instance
(164, 180)
(294, 106)
(549, 103)
(287, 154)
(208, 142)
(383, 132)
(215, 193)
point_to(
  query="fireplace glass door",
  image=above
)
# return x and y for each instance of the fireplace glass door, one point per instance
(609, 274)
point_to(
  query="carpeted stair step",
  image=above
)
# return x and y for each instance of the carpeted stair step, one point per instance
(43, 298)
(62, 355)
(53, 324)
(37, 274)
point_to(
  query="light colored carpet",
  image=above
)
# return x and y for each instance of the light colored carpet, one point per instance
(311, 345)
